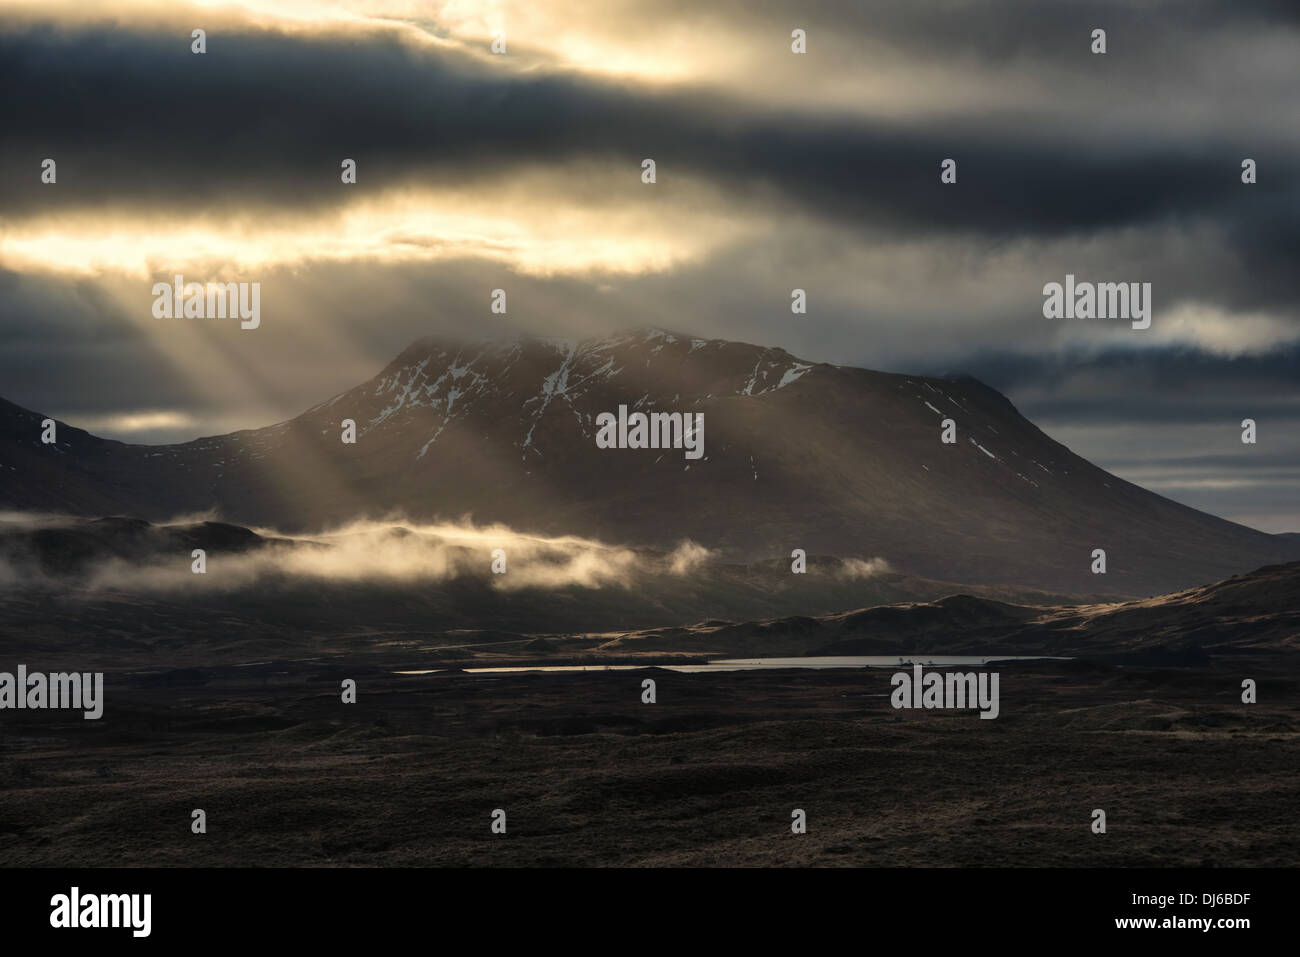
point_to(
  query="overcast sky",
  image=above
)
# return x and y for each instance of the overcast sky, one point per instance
(775, 170)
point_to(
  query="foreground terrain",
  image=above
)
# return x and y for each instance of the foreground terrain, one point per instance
(708, 775)
(223, 692)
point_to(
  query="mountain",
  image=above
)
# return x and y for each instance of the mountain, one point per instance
(70, 551)
(833, 460)
(1247, 614)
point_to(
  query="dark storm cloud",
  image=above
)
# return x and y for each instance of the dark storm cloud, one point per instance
(1003, 30)
(66, 347)
(1149, 385)
(263, 119)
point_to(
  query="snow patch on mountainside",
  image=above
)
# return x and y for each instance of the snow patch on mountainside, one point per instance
(555, 384)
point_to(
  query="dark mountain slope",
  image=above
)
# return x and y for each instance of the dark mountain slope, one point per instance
(829, 459)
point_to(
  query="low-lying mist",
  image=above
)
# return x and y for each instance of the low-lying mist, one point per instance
(129, 555)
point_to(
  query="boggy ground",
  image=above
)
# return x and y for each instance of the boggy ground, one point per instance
(709, 775)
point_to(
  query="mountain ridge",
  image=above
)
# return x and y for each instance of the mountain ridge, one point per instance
(797, 454)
